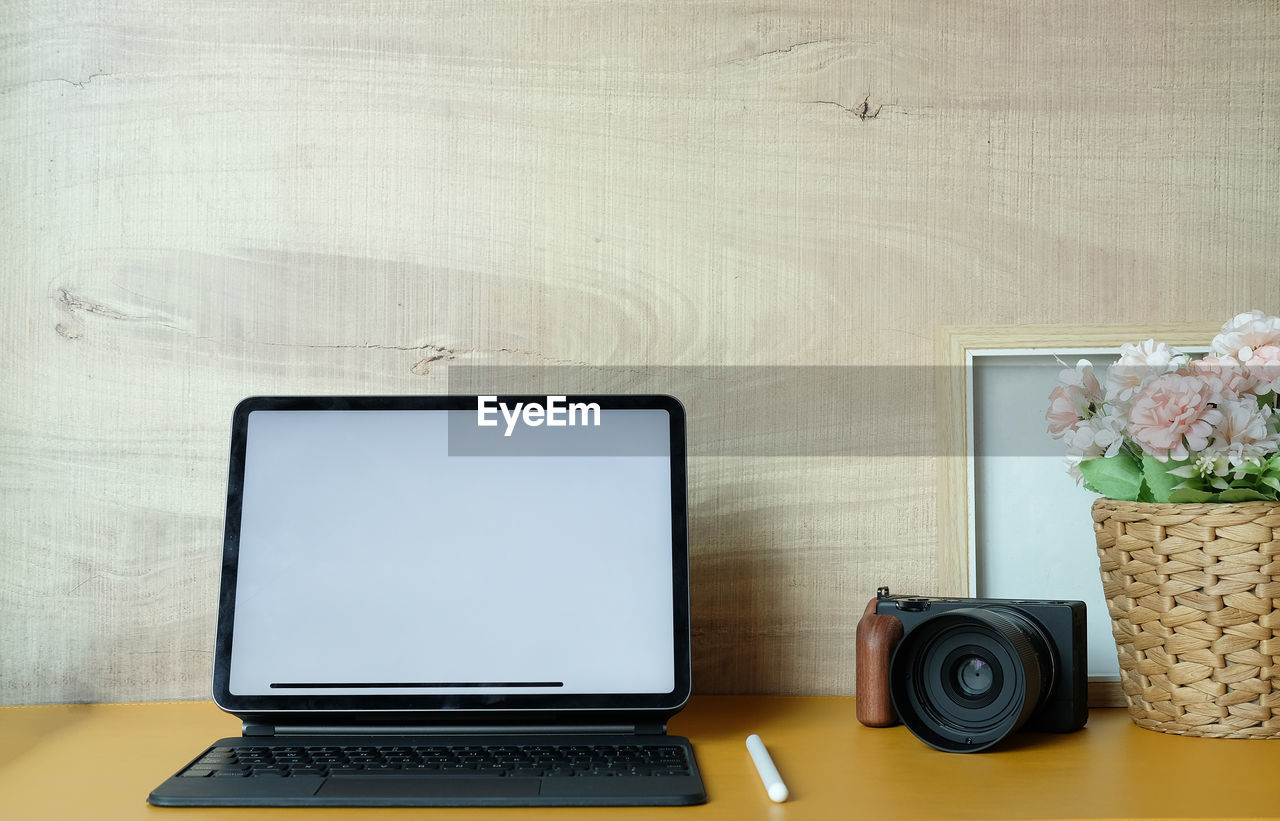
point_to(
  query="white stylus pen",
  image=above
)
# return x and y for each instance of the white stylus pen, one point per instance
(768, 773)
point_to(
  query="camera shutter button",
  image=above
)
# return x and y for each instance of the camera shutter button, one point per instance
(913, 604)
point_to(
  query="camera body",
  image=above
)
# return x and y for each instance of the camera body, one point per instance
(962, 674)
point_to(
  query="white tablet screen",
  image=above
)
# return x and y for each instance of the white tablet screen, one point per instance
(371, 561)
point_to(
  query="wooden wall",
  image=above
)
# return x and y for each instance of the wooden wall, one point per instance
(208, 200)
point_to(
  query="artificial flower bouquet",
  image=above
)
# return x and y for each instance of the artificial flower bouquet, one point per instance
(1170, 428)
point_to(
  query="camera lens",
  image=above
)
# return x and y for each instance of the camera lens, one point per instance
(966, 679)
(973, 674)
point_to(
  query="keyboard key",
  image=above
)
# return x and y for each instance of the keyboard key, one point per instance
(525, 772)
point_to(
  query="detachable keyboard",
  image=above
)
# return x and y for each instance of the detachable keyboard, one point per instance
(427, 770)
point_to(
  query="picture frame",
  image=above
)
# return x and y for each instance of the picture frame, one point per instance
(997, 378)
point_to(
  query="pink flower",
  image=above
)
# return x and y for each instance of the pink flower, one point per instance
(1226, 377)
(1170, 413)
(1065, 409)
(1263, 365)
(1077, 398)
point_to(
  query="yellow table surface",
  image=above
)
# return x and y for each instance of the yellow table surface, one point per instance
(99, 761)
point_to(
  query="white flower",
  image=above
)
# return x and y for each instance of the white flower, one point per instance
(1204, 466)
(1250, 330)
(1096, 436)
(1245, 434)
(1092, 438)
(1073, 460)
(1081, 376)
(1139, 364)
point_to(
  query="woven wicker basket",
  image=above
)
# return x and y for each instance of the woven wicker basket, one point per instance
(1194, 596)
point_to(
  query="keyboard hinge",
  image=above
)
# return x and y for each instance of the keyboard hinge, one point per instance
(651, 729)
(254, 729)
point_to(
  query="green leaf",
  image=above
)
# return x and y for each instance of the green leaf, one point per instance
(1186, 494)
(1159, 476)
(1272, 482)
(1240, 494)
(1144, 493)
(1118, 477)
(1253, 484)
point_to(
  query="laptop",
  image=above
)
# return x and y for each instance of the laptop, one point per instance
(452, 601)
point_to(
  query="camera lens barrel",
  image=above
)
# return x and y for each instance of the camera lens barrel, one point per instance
(965, 679)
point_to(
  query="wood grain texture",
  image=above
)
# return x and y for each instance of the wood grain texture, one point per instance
(209, 201)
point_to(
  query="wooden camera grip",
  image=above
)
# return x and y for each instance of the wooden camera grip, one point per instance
(876, 637)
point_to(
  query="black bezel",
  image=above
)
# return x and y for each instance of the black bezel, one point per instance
(401, 708)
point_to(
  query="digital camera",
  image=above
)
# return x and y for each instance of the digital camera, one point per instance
(963, 674)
